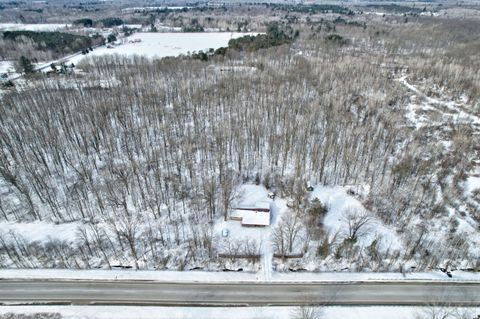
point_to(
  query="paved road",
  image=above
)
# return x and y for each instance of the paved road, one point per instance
(57, 62)
(255, 294)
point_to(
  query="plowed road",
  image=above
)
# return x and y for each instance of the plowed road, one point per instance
(222, 294)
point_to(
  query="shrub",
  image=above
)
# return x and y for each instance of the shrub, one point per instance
(336, 38)
(323, 250)
(88, 23)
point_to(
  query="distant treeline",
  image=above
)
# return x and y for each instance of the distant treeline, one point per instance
(396, 8)
(147, 10)
(313, 8)
(275, 36)
(193, 27)
(107, 22)
(58, 42)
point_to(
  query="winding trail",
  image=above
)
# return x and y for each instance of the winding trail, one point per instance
(458, 114)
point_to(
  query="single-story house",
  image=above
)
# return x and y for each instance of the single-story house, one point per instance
(256, 215)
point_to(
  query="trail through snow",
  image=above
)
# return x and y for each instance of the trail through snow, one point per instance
(459, 114)
(267, 256)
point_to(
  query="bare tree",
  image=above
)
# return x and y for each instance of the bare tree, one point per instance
(288, 233)
(435, 311)
(228, 187)
(358, 223)
(308, 312)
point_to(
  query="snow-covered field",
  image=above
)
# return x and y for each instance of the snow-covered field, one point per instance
(158, 45)
(33, 27)
(330, 312)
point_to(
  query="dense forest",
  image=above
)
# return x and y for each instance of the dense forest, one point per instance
(144, 156)
(56, 41)
(43, 45)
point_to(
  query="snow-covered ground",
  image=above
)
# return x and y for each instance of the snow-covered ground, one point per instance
(330, 312)
(211, 276)
(258, 237)
(33, 27)
(42, 231)
(340, 204)
(6, 67)
(441, 114)
(232, 238)
(158, 45)
(472, 184)
(132, 26)
(455, 111)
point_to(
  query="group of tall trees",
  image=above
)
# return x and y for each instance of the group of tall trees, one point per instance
(43, 45)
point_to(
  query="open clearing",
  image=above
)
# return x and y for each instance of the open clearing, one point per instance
(159, 45)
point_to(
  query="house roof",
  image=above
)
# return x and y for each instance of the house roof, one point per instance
(251, 217)
(264, 205)
(258, 206)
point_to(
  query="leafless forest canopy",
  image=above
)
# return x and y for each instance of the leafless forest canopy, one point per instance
(146, 163)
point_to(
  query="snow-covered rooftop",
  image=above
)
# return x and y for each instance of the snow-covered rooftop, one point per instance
(261, 205)
(264, 205)
(251, 217)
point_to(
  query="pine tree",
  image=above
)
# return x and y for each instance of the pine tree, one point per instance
(26, 65)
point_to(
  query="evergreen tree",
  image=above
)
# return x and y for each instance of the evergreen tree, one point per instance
(26, 65)
(111, 38)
